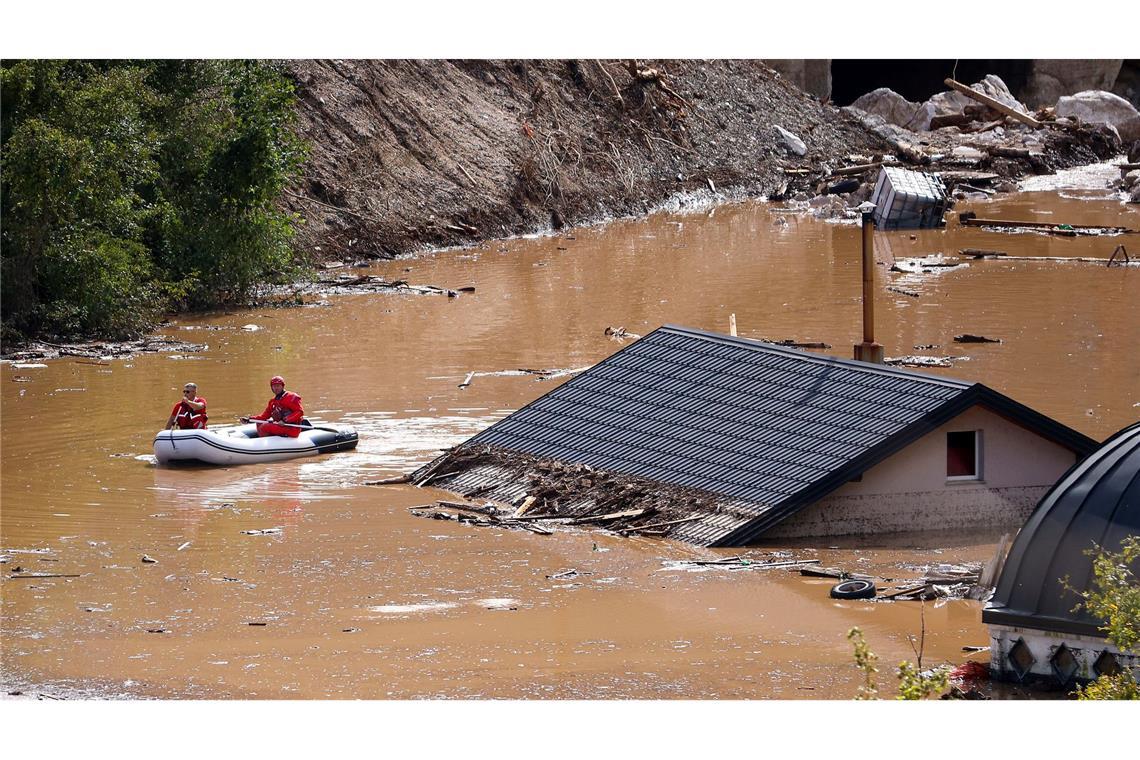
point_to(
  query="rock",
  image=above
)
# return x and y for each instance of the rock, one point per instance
(896, 109)
(1052, 78)
(793, 143)
(954, 102)
(1100, 107)
(1131, 178)
(966, 152)
(1135, 195)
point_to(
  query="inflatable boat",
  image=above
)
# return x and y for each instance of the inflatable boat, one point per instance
(241, 445)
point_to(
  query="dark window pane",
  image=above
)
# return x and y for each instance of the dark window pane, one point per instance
(961, 460)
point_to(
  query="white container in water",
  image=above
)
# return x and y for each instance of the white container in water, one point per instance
(906, 199)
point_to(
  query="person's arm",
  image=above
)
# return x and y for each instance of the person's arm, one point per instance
(173, 416)
(195, 406)
(296, 411)
(261, 417)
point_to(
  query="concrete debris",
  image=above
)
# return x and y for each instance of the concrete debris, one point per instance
(791, 142)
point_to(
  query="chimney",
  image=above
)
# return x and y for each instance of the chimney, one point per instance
(868, 350)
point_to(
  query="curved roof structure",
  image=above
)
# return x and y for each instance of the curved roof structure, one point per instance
(1096, 502)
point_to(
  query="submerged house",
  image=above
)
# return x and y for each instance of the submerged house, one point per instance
(1035, 634)
(739, 439)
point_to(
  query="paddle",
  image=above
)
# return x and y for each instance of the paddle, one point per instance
(302, 427)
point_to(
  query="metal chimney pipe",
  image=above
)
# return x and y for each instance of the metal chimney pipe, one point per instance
(868, 278)
(868, 350)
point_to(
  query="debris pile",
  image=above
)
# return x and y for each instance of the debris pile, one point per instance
(98, 350)
(526, 489)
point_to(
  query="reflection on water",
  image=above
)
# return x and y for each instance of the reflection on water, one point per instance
(293, 579)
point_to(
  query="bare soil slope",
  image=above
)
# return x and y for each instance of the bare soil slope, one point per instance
(414, 154)
(408, 155)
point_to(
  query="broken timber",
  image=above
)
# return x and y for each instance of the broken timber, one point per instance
(969, 219)
(998, 106)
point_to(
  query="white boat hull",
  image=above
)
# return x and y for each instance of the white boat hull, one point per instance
(240, 445)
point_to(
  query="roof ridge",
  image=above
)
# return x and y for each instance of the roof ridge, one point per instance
(797, 354)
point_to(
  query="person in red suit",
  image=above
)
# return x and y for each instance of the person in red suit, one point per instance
(189, 413)
(284, 407)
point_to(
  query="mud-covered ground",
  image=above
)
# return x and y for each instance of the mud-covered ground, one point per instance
(409, 155)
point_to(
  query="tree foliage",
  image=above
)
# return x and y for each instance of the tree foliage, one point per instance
(1115, 599)
(914, 683)
(131, 187)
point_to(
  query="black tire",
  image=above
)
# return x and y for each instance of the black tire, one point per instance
(854, 589)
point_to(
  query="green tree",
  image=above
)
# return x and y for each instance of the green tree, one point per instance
(914, 683)
(1115, 599)
(128, 187)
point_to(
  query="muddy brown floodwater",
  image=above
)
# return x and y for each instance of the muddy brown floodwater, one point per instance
(357, 598)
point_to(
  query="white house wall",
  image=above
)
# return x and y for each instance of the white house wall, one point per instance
(910, 492)
(1044, 645)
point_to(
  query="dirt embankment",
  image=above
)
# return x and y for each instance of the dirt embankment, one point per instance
(414, 154)
(408, 155)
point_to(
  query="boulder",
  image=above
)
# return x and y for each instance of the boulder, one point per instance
(953, 102)
(1100, 107)
(793, 143)
(896, 109)
(1051, 78)
(1134, 153)
(1131, 179)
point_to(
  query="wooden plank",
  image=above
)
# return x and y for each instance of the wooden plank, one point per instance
(527, 502)
(998, 106)
(389, 481)
(653, 526)
(858, 169)
(611, 516)
(973, 221)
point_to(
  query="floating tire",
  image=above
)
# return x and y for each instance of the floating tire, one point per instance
(854, 589)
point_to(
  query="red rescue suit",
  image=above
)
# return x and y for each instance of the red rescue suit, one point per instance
(285, 407)
(186, 418)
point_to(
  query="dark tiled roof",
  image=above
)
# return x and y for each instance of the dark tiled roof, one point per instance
(772, 427)
(1096, 502)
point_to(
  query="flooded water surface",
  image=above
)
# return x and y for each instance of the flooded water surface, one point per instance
(352, 596)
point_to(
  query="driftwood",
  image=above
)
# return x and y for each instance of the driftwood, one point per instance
(998, 106)
(792, 343)
(611, 516)
(968, 338)
(981, 253)
(655, 526)
(467, 380)
(389, 481)
(969, 219)
(857, 169)
(918, 361)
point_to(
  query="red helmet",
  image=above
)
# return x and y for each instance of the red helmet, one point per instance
(276, 379)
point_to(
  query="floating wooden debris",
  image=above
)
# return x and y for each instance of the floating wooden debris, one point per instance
(919, 361)
(900, 291)
(980, 253)
(389, 481)
(955, 582)
(793, 343)
(467, 380)
(620, 333)
(373, 282)
(740, 563)
(968, 338)
(970, 219)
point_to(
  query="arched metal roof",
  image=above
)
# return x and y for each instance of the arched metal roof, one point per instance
(1096, 502)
